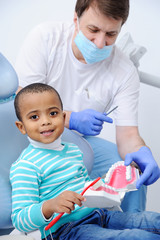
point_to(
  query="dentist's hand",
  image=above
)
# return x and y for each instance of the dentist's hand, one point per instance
(88, 122)
(148, 166)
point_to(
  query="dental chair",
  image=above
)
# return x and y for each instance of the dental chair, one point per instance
(12, 142)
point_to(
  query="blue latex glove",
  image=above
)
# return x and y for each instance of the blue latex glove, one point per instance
(148, 166)
(88, 122)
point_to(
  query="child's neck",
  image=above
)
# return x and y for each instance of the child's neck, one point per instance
(56, 145)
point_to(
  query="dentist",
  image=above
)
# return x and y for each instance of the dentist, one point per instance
(82, 62)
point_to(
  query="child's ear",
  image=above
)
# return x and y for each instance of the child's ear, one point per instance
(64, 116)
(21, 127)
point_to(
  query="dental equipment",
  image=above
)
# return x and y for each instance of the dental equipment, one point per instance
(111, 110)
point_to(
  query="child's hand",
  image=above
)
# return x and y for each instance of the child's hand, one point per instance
(66, 200)
(63, 203)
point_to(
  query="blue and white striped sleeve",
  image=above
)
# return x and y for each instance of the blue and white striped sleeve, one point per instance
(26, 206)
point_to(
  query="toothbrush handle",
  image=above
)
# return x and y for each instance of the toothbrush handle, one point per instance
(54, 221)
(61, 214)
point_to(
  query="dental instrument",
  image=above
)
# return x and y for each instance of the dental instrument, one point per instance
(111, 110)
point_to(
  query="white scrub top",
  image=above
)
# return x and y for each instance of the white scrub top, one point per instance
(47, 57)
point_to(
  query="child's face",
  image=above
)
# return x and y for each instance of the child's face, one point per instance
(42, 116)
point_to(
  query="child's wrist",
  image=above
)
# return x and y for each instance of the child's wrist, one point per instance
(47, 210)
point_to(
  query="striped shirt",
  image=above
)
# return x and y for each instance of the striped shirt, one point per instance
(41, 174)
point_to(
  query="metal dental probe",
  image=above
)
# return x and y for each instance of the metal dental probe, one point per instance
(111, 110)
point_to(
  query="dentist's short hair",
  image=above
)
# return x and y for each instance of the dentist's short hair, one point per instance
(117, 9)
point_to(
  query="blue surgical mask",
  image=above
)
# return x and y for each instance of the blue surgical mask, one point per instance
(90, 51)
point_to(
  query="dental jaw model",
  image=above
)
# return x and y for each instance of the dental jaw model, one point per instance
(119, 180)
(110, 192)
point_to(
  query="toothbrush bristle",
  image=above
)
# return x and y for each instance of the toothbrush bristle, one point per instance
(98, 184)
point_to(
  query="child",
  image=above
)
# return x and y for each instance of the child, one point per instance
(49, 176)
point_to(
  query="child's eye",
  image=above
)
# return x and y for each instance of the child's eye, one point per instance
(34, 117)
(53, 113)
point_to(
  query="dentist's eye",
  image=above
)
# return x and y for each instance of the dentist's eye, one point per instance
(34, 117)
(111, 34)
(93, 30)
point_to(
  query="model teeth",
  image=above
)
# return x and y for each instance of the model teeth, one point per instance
(128, 173)
(119, 180)
(113, 167)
